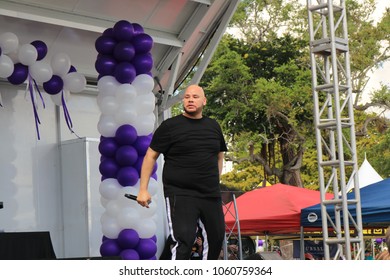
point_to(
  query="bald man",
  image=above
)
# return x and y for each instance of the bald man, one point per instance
(193, 146)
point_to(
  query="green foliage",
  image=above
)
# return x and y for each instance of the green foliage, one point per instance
(382, 162)
(245, 178)
(260, 20)
(259, 88)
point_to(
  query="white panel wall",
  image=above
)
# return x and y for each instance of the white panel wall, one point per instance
(81, 205)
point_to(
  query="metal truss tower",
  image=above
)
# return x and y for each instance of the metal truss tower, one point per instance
(334, 127)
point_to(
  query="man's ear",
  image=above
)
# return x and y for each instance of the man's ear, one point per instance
(204, 101)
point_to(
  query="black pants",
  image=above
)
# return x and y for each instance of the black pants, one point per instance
(185, 214)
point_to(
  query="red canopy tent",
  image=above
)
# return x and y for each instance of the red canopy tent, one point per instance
(270, 210)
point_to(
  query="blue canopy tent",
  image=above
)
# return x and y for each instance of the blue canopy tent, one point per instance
(375, 205)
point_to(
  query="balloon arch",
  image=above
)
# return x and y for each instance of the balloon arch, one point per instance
(25, 62)
(126, 123)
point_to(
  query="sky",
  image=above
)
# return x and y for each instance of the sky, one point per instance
(382, 74)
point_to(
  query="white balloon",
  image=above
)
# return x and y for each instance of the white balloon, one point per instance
(110, 228)
(125, 93)
(108, 85)
(103, 201)
(6, 66)
(60, 64)
(144, 124)
(74, 82)
(153, 186)
(41, 71)
(105, 217)
(126, 115)
(9, 42)
(109, 188)
(146, 103)
(143, 84)
(27, 54)
(124, 201)
(128, 217)
(107, 125)
(155, 218)
(146, 228)
(14, 57)
(57, 98)
(113, 208)
(108, 105)
(145, 212)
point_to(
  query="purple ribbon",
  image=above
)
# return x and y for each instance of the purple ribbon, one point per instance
(66, 112)
(39, 92)
(34, 105)
(67, 115)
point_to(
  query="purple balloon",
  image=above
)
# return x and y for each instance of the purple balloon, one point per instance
(138, 29)
(19, 75)
(128, 239)
(125, 72)
(129, 254)
(143, 63)
(54, 85)
(146, 248)
(142, 144)
(126, 134)
(108, 32)
(105, 64)
(123, 30)
(108, 147)
(127, 176)
(108, 168)
(124, 51)
(143, 43)
(105, 45)
(126, 155)
(41, 48)
(72, 69)
(110, 248)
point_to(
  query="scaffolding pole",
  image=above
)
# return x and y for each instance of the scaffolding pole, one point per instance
(334, 126)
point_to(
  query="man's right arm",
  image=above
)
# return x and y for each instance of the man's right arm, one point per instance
(146, 171)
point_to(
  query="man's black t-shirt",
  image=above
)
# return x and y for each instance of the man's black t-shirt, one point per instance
(190, 148)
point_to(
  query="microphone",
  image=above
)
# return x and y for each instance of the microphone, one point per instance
(134, 197)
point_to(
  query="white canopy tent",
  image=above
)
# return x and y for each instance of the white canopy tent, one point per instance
(367, 176)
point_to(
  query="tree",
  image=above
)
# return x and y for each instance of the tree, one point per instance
(259, 88)
(269, 104)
